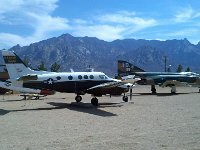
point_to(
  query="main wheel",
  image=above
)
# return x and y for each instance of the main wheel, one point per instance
(125, 98)
(78, 98)
(94, 101)
(153, 89)
(173, 90)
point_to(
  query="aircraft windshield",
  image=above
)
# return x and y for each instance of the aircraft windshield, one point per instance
(103, 77)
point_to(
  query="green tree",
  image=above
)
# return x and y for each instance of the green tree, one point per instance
(55, 67)
(188, 69)
(42, 67)
(180, 68)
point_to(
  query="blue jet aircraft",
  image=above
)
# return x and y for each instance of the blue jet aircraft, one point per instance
(163, 79)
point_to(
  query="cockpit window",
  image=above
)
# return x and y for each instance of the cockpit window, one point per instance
(103, 77)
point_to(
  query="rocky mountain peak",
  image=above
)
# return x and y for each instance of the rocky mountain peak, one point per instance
(80, 52)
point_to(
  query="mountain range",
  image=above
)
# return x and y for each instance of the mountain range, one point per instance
(80, 53)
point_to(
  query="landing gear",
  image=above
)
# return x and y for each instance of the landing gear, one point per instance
(78, 98)
(173, 89)
(94, 101)
(125, 98)
(153, 89)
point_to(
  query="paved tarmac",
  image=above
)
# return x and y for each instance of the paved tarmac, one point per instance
(57, 122)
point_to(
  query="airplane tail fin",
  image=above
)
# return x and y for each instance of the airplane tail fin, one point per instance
(126, 68)
(14, 65)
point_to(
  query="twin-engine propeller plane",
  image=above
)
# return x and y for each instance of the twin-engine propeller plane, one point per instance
(24, 79)
(164, 79)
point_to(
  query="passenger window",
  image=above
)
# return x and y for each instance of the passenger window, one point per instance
(91, 77)
(80, 77)
(58, 77)
(70, 77)
(85, 77)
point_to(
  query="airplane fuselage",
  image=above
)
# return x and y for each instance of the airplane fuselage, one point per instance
(73, 82)
(158, 78)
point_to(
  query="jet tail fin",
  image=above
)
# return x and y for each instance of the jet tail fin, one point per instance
(14, 65)
(126, 68)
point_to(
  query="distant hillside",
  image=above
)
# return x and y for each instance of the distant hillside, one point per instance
(80, 52)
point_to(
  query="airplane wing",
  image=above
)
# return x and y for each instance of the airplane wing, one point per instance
(107, 85)
(112, 87)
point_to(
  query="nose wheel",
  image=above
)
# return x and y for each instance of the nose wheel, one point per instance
(125, 98)
(78, 98)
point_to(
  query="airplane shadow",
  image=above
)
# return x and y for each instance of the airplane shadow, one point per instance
(87, 108)
(80, 107)
(3, 112)
(7, 101)
(159, 94)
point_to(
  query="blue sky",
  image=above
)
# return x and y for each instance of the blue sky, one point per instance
(27, 21)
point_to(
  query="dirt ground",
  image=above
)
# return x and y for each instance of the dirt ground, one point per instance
(147, 122)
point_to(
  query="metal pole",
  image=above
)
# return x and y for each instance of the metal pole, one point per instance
(165, 63)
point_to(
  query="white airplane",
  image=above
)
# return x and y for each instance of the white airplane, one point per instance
(24, 79)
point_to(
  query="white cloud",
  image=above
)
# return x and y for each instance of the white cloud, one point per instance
(35, 14)
(10, 6)
(47, 23)
(104, 32)
(36, 6)
(112, 26)
(186, 14)
(80, 21)
(127, 19)
(36, 17)
(12, 39)
(183, 32)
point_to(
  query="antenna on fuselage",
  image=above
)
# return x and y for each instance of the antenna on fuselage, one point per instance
(71, 70)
